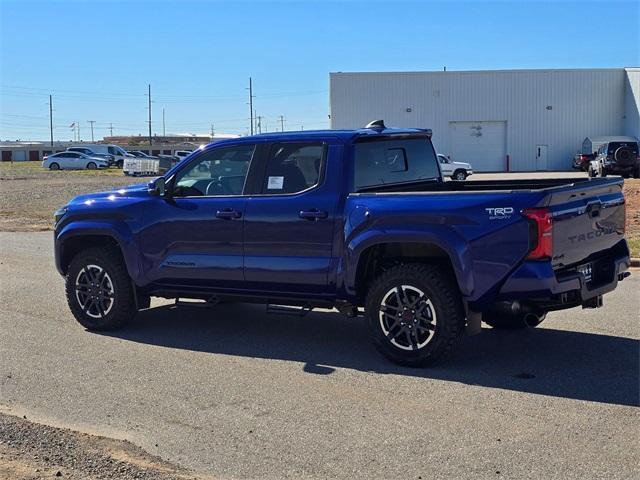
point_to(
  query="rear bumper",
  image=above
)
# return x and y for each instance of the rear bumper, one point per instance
(538, 284)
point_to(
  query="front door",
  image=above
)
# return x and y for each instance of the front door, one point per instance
(194, 238)
(289, 222)
(542, 162)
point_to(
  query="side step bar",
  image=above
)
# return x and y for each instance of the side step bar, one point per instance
(288, 310)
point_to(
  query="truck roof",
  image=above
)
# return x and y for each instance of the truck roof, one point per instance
(342, 135)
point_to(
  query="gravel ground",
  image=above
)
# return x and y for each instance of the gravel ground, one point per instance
(29, 194)
(30, 451)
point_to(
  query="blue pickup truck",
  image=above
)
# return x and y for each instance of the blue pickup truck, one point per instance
(359, 220)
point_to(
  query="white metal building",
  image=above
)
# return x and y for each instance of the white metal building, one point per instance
(517, 120)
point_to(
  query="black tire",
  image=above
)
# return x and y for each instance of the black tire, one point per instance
(120, 163)
(592, 172)
(54, 166)
(91, 166)
(122, 301)
(505, 321)
(459, 175)
(444, 308)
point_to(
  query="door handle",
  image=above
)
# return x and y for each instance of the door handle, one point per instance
(228, 213)
(313, 214)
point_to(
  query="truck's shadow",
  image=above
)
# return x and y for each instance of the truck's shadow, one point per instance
(560, 363)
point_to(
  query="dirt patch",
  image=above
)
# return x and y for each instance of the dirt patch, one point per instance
(31, 451)
(30, 194)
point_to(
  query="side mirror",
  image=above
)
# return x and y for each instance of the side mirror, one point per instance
(157, 187)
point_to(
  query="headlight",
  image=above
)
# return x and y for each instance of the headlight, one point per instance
(58, 214)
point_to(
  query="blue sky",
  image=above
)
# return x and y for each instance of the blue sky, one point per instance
(97, 57)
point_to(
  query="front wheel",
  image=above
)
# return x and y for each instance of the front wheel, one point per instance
(415, 314)
(91, 166)
(54, 166)
(459, 175)
(99, 290)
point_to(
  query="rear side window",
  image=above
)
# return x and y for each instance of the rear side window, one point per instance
(293, 167)
(393, 161)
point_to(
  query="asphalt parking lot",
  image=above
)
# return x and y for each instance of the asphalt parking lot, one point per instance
(235, 393)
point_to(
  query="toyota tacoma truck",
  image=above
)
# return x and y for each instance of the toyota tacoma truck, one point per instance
(358, 220)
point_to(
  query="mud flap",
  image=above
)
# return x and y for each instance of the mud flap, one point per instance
(474, 322)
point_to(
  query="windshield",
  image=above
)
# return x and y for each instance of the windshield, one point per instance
(402, 160)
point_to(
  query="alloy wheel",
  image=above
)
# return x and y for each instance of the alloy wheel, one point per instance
(407, 317)
(94, 291)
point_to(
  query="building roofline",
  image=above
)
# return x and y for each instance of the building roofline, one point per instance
(522, 70)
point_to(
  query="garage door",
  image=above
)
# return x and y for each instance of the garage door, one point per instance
(482, 144)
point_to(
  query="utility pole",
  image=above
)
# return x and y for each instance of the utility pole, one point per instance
(91, 122)
(51, 117)
(164, 132)
(251, 104)
(78, 124)
(259, 126)
(111, 129)
(150, 139)
(212, 131)
(282, 123)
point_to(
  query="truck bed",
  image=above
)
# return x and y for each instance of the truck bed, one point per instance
(471, 186)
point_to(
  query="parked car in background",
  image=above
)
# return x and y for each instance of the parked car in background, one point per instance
(581, 161)
(455, 170)
(87, 151)
(119, 154)
(619, 157)
(139, 154)
(182, 154)
(73, 161)
(167, 161)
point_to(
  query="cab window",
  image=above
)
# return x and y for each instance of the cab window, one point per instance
(220, 171)
(381, 162)
(293, 167)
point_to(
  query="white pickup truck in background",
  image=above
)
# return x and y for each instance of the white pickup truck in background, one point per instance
(455, 170)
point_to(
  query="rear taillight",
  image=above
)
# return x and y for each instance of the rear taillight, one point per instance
(542, 232)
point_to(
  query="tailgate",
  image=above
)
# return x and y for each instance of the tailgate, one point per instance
(588, 218)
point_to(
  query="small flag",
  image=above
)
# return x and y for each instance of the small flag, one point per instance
(72, 125)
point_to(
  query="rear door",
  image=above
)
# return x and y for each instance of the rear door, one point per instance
(289, 221)
(69, 160)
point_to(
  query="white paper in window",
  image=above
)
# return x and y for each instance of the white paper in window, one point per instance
(275, 183)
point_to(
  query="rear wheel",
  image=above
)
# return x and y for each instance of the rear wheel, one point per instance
(415, 314)
(99, 290)
(91, 166)
(505, 321)
(54, 166)
(459, 175)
